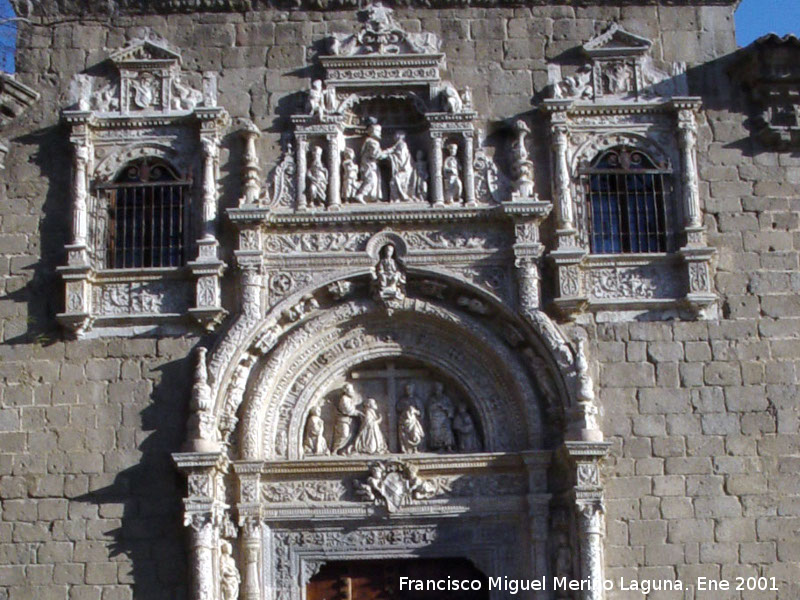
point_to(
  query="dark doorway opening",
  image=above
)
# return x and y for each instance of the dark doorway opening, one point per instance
(382, 580)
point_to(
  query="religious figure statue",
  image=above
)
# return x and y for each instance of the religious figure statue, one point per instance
(440, 418)
(317, 179)
(452, 182)
(316, 99)
(229, 574)
(370, 439)
(343, 428)
(419, 179)
(411, 432)
(401, 185)
(451, 101)
(370, 189)
(349, 176)
(464, 427)
(466, 97)
(314, 443)
(388, 276)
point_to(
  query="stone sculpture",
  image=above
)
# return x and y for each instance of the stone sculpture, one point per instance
(316, 99)
(345, 419)
(370, 438)
(452, 181)
(229, 574)
(465, 433)
(349, 176)
(370, 189)
(388, 276)
(523, 166)
(396, 484)
(401, 185)
(440, 418)
(314, 443)
(410, 430)
(317, 179)
(451, 101)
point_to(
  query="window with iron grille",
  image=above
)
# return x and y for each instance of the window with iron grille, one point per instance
(628, 200)
(146, 216)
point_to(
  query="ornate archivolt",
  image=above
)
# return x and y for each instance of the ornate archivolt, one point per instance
(390, 366)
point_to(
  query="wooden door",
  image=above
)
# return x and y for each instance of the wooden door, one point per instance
(381, 580)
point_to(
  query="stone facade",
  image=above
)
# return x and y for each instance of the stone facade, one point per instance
(171, 433)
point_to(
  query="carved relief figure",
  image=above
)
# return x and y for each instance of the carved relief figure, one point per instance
(617, 78)
(440, 418)
(345, 418)
(316, 99)
(349, 176)
(143, 90)
(314, 437)
(419, 180)
(401, 185)
(452, 183)
(388, 275)
(371, 153)
(411, 432)
(184, 97)
(464, 428)
(317, 179)
(451, 101)
(370, 439)
(229, 574)
(466, 97)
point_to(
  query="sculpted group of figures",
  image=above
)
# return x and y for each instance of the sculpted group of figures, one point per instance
(361, 181)
(438, 425)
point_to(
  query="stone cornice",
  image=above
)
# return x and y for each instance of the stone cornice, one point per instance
(55, 8)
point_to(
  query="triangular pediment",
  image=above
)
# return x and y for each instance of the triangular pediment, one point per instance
(615, 41)
(146, 49)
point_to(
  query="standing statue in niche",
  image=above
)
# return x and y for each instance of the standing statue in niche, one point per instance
(370, 439)
(452, 182)
(371, 152)
(420, 178)
(345, 418)
(349, 176)
(314, 443)
(464, 428)
(410, 431)
(440, 417)
(317, 179)
(388, 276)
(229, 574)
(401, 185)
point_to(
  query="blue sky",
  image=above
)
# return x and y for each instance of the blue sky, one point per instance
(755, 18)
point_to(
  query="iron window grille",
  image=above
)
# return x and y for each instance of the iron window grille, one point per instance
(147, 210)
(627, 195)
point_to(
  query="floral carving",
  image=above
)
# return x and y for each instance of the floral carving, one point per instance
(304, 491)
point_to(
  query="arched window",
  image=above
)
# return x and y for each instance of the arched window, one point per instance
(146, 216)
(627, 196)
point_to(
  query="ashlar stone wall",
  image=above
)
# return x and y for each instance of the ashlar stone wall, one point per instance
(703, 476)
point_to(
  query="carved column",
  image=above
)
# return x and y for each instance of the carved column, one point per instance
(687, 127)
(571, 296)
(591, 517)
(436, 169)
(334, 171)
(249, 509)
(251, 173)
(79, 195)
(204, 513)
(582, 460)
(528, 251)
(301, 159)
(700, 297)
(468, 167)
(562, 191)
(210, 160)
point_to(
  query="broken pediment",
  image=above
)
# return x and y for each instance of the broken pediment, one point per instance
(616, 42)
(620, 69)
(146, 79)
